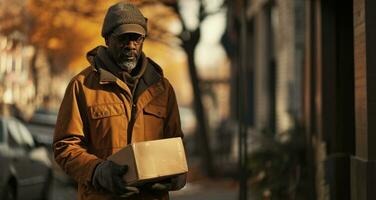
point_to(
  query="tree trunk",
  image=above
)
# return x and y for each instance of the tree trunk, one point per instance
(202, 142)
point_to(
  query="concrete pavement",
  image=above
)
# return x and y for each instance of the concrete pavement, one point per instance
(199, 190)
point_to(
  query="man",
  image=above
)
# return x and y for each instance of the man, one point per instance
(120, 99)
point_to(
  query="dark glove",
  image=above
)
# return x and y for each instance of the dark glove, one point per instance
(162, 186)
(170, 184)
(109, 176)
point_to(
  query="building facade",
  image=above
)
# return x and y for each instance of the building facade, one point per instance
(311, 63)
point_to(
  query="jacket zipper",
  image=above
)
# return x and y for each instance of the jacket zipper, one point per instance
(131, 123)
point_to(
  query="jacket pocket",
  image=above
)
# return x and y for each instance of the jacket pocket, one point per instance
(157, 111)
(154, 117)
(108, 125)
(106, 110)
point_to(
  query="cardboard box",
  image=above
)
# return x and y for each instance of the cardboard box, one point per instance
(152, 160)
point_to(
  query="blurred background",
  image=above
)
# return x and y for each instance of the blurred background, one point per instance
(276, 96)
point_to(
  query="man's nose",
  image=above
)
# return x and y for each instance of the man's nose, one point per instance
(131, 44)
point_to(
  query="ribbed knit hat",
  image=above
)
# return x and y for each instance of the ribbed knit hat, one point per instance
(124, 18)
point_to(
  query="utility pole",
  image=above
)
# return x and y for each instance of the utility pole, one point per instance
(242, 102)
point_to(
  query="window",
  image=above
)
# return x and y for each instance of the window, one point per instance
(26, 135)
(19, 135)
(14, 139)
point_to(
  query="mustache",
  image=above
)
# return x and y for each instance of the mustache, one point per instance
(129, 53)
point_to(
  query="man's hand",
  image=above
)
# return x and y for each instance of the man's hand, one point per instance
(109, 176)
(160, 187)
(171, 184)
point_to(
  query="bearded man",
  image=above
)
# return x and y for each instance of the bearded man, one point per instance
(121, 98)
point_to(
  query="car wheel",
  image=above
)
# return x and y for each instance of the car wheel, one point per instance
(9, 192)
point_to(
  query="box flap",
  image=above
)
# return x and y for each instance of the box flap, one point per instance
(159, 158)
(126, 157)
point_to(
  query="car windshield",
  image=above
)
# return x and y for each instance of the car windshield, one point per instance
(20, 133)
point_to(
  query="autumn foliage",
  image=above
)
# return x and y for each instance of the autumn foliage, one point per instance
(68, 29)
(64, 28)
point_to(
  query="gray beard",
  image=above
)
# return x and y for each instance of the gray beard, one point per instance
(128, 65)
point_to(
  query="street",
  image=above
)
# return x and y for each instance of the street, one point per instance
(208, 190)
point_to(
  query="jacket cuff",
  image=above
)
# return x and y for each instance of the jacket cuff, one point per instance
(91, 170)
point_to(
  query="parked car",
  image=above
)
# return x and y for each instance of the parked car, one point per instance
(44, 117)
(25, 169)
(41, 126)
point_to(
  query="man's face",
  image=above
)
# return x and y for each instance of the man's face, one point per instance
(126, 49)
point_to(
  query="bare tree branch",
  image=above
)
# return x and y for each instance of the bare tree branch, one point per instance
(164, 42)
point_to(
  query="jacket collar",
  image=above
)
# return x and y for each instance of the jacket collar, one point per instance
(106, 66)
(98, 65)
(153, 74)
(106, 77)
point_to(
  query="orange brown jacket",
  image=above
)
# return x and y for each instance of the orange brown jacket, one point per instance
(99, 116)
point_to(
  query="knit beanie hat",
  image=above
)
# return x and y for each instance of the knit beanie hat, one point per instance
(124, 18)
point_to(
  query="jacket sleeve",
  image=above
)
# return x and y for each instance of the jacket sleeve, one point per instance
(70, 142)
(172, 125)
(173, 129)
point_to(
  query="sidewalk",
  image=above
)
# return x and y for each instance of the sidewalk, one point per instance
(207, 190)
(198, 187)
